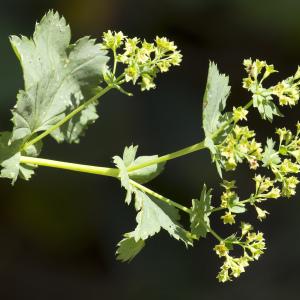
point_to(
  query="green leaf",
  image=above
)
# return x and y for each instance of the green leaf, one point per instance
(230, 240)
(124, 178)
(75, 128)
(227, 126)
(129, 155)
(146, 174)
(9, 157)
(122, 164)
(270, 156)
(58, 77)
(238, 209)
(235, 205)
(154, 215)
(214, 101)
(199, 216)
(26, 171)
(128, 248)
(143, 175)
(265, 105)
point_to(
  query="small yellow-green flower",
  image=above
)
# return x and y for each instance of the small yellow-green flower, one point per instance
(228, 218)
(113, 40)
(221, 250)
(239, 114)
(246, 227)
(261, 214)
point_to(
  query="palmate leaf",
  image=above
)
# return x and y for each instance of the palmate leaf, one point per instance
(153, 215)
(58, 77)
(214, 102)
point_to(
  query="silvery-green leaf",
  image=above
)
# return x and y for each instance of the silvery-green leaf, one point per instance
(58, 77)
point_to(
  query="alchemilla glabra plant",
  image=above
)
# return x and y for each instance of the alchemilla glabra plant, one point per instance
(62, 85)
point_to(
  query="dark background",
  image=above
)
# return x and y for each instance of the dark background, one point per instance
(58, 232)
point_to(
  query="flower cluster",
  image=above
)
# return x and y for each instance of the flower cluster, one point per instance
(287, 91)
(284, 161)
(240, 144)
(230, 202)
(142, 60)
(253, 245)
(264, 189)
(237, 144)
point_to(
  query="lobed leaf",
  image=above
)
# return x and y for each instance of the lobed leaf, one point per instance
(216, 93)
(154, 215)
(270, 156)
(266, 107)
(58, 77)
(124, 178)
(214, 101)
(128, 248)
(10, 158)
(199, 216)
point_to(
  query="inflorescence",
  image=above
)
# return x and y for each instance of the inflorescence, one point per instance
(62, 81)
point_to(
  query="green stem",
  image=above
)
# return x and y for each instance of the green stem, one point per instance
(196, 147)
(160, 197)
(68, 117)
(106, 172)
(182, 152)
(73, 113)
(97, 171)
(115, 61)
(248, 200)
(70, 166)
(213, 233)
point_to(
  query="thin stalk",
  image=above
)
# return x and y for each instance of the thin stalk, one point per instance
(213, 233)
(160, 197)
(176, 154)
(175, 204)
(248, 200)
(184, 151)
(68, 117)
(74, 112)
(107, 172)
(70, 166)
(115, 61)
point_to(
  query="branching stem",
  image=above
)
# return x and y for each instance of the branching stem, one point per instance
(73, 113)
(164, 158)
(70, 166)
(112, 172)
(68, 117)
(160, 197)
